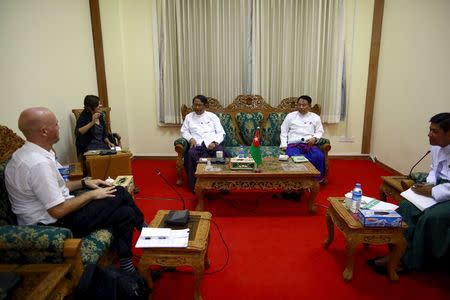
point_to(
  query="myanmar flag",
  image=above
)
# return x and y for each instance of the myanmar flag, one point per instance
(255, 150)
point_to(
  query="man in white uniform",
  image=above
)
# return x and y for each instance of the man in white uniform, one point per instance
(39, 195)
(428, 233)
(300, 132)
(203, 131)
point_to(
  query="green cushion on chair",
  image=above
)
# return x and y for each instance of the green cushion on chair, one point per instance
(94, 245)
(32, 244)
(181, 141)
(271, 132)
(248, 122)
(419, 177)
(231, 139)
(266, 151)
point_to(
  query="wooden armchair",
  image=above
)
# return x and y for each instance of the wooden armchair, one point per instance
(43, 244)
(106, 113)
(393, 186)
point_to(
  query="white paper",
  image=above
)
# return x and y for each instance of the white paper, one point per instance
(374, 204)
(421, 202)
(162, 238)
(299, 159)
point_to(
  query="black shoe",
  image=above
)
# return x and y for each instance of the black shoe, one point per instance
(136, 190)
(373, 261)
(286, 195)
(382, 270)
(155, 274)
(295, 196)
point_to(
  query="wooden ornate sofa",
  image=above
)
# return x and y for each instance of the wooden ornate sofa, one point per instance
(43, 244)
(240, 119)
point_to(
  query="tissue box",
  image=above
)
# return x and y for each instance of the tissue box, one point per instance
(126, 181)
(246, 163)
(373, 218)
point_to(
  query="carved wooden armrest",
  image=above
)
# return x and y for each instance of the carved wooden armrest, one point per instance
(406, 183)
(72, 255)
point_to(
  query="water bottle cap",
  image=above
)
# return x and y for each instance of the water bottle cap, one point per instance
(358, 185)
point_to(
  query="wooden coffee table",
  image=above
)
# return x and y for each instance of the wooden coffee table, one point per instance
(355, 233)
(275, 175)
(194, 255)
(41, 281)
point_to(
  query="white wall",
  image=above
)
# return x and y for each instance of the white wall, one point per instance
(413, 80)
(46, 59)
(127, 38)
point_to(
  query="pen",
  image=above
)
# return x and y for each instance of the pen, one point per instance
(155, 237)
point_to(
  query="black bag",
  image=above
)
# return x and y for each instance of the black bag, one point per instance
(111, 283)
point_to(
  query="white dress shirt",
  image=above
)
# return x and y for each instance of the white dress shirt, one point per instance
(34, 184)
(296, 127)
(203, 128)
(440, 169)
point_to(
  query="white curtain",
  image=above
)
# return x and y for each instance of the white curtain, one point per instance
(224, 48)
(299, 49)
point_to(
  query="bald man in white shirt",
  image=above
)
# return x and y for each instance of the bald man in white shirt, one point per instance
(39, 195)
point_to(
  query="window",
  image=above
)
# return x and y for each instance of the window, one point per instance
(222, 49)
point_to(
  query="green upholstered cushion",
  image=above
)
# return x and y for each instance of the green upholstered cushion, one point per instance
(231, 137)
(419, 177)
(271, 131)
(247, 123)
(32, 244)
(181, 141)
(94, 245)
(266, 151)
(322, 141)
(42, 244)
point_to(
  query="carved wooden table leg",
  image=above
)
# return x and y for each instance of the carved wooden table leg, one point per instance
(206, 259)
(199, 269)
(394, 258)
(200, 192)
(383, 195)
(350, 253)
(145, 272)
(330, 226)
(312, 198)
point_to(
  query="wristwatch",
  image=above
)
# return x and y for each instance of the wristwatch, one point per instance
(83, 182)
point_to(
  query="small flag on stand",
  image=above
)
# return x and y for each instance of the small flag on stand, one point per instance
(255, 150)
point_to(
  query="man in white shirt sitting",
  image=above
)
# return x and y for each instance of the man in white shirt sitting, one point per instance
(203, 131)
(428, 233)
(300, 131)
(39, 194)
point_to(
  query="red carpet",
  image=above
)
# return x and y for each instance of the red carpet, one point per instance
(275, 246)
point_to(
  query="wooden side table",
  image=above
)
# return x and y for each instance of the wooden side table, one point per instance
(392, 187)
(40, 281)
(104, 166)
(194, 255)
(355, 233)
(76, 171)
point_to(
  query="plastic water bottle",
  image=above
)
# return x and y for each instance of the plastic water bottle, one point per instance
(356, 198)
(241, 152)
